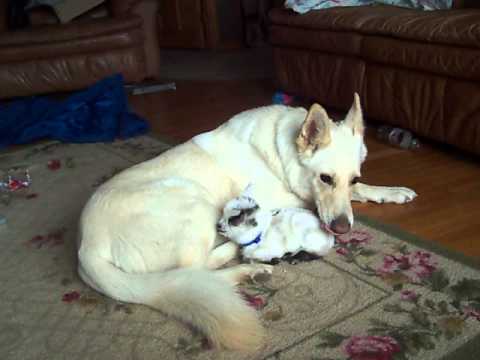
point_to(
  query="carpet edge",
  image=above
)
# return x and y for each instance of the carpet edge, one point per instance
(404, 235)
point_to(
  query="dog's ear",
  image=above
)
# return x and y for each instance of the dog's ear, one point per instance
(248, 191)
(354, 117)
(315, 132)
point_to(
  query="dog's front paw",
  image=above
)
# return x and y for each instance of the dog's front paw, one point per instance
(382, 194)
(397, 195)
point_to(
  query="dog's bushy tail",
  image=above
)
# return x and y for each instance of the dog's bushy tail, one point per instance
(198, 297)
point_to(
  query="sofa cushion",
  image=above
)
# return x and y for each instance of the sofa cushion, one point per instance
(80, 30)
(334, 42)
(452, 27)
(437, 107)
(72, 72)
(332, 78)
(60, 40)
(453, 61)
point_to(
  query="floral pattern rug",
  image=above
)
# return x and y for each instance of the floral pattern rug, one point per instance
(379, 295)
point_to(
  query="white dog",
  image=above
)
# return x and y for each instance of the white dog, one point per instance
(265, 234)
(148, 235)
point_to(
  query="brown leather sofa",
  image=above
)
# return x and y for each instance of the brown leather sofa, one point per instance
(46, 58)
(416, 69)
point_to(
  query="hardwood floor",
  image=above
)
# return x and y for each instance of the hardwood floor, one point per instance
(446, 211)
(447, 208)
(198, 106)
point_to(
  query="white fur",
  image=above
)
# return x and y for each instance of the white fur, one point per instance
(288, 230)
(148, 235)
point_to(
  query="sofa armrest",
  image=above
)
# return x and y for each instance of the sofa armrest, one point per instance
(148, 11)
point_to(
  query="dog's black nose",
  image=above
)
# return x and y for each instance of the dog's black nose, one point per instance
(340, 225)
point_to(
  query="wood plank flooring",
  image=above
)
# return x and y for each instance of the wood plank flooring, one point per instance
(447, 210)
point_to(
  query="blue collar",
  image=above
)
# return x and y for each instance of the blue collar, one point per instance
(254, 241)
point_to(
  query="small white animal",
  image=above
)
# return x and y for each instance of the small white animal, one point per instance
(267, 234)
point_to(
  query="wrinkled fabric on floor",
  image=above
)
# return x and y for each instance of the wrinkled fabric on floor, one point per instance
(98, 113)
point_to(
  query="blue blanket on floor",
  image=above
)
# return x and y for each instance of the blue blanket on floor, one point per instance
(98, 113)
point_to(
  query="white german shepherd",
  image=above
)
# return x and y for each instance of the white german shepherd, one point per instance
(148, 235)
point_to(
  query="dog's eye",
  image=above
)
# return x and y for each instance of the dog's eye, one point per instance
(355, 180)
(327, 179)
(252, 222)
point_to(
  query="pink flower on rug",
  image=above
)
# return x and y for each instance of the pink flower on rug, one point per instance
(254, 301)
(408, 295)
(71, 296)
(371, 347)
(416, 266)
(471, 312)
(355, 237)
(342, 251)
(50, 240)
(54, 164)
(37, 241)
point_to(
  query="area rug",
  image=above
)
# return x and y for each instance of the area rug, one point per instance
(378, 295)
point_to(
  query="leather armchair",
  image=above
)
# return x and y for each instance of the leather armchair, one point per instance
(47, 58)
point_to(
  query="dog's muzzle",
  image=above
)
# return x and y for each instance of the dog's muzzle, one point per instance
(339, 226)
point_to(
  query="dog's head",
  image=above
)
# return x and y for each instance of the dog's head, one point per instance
(332, 154)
